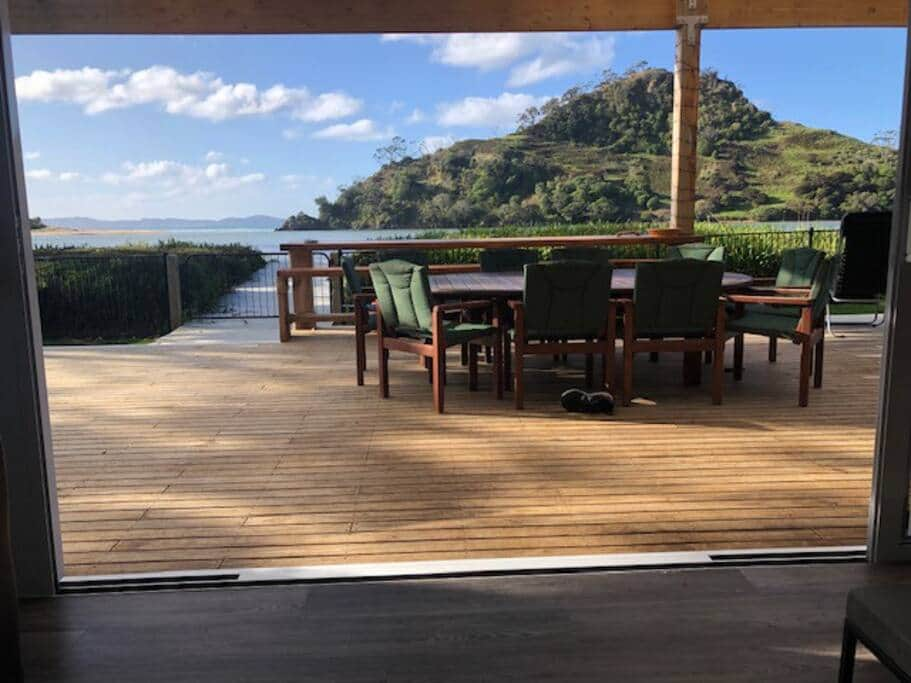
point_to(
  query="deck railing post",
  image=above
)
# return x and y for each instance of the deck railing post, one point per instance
(172, 273)
(810, 234)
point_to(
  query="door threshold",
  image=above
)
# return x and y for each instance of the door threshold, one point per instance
(435, 569)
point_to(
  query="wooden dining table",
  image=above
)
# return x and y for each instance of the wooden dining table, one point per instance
(508, 285)
(502, 286)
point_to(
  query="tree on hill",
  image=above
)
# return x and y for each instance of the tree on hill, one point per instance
(600, 154)
(302, 221)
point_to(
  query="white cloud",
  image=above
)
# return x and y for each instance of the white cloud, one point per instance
(416, 116)
(292, 133)
(545, 55)
(31, 156)
(69, 176)
(39, 174)
(434, 143)
(502, 110)
(213, 155)
(359, 131)
(199, 95)
(47, 174)
(173, 178)
(296, 181)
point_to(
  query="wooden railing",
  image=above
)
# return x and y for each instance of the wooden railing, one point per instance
(302, 271)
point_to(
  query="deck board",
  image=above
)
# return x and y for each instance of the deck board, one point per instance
(236, 456)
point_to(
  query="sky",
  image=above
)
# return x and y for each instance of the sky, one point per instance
(121, 127)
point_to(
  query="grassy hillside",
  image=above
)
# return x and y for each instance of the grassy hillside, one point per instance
(602, 155)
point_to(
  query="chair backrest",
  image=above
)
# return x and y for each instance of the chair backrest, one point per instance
(567, 296)
(865, 255)
(353, 283)
(403, 293)
(677, 298)
(506, 260)
(823, 286)
(415, 256)
(594, 254)
(798, 267)
(699, 251)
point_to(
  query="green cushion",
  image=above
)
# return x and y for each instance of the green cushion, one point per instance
(563, 298)
(766, 324)
(354, 283)
(798, 267)
(569, 335)
(454, 333)
(403, 292)
(506, 260)
(699, 252)
(677, 298)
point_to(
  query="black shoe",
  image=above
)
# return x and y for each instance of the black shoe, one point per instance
(574, 400)
(600, 402)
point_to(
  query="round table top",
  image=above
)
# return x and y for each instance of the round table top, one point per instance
(511, 284)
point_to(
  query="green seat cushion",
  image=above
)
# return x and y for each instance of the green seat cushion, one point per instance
(767, 324)
(548, 336)
(454, 333)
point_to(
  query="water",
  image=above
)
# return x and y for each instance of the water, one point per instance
(264, 240)
(269, 240)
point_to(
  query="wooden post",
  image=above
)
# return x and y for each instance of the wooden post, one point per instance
(691, 16)
(175, 309)
(302, 288)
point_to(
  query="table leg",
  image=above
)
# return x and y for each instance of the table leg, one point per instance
(692, 368)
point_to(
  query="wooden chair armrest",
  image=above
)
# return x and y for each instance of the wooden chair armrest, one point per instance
(515, 304)
(364, 298)
(463, 306)
(779, 291)
(773, 300)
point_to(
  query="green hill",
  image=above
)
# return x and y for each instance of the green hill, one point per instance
(602, 155)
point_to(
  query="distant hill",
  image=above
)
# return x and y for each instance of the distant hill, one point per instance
(257, 222)
(603, 155)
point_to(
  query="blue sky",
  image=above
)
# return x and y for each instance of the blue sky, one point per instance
(207, 127)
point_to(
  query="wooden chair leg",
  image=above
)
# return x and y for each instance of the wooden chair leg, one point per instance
(589, 370)
(806, 367)
(472, 367)
(627, 374)
(520, 380)
(653, 357)
(464, 355)
(708, 357)
(818, 357)
(848, 651)
(718, 372)
(360, 352)
(773, 349)
(556, 359)
(498, 366)
(507, 364)
(439, 372)
(488, 354)
(738, 357)
(428, 366)
(383, 371)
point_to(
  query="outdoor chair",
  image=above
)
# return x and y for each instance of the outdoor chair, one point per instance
(676, 307)
(506, 260)
(879, 617)
(362, 298)
(788, 313)
(698, 251)
(796, 271)
(565, 308)
(864, 246)
(407, 320)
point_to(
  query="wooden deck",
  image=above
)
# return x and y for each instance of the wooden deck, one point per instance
(248, 456)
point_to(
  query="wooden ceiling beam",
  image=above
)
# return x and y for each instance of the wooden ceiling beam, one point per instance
(379, 16)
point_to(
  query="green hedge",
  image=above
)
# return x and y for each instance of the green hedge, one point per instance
(750, 249)
(120, 294)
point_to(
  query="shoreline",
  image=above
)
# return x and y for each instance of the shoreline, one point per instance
(53, 231)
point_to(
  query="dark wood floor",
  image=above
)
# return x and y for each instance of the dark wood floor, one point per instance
(726, 624)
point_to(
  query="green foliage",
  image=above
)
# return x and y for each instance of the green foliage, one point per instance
(36, 223)
(749, 249)
(601, 154)
(117, 294)
(302, 221)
